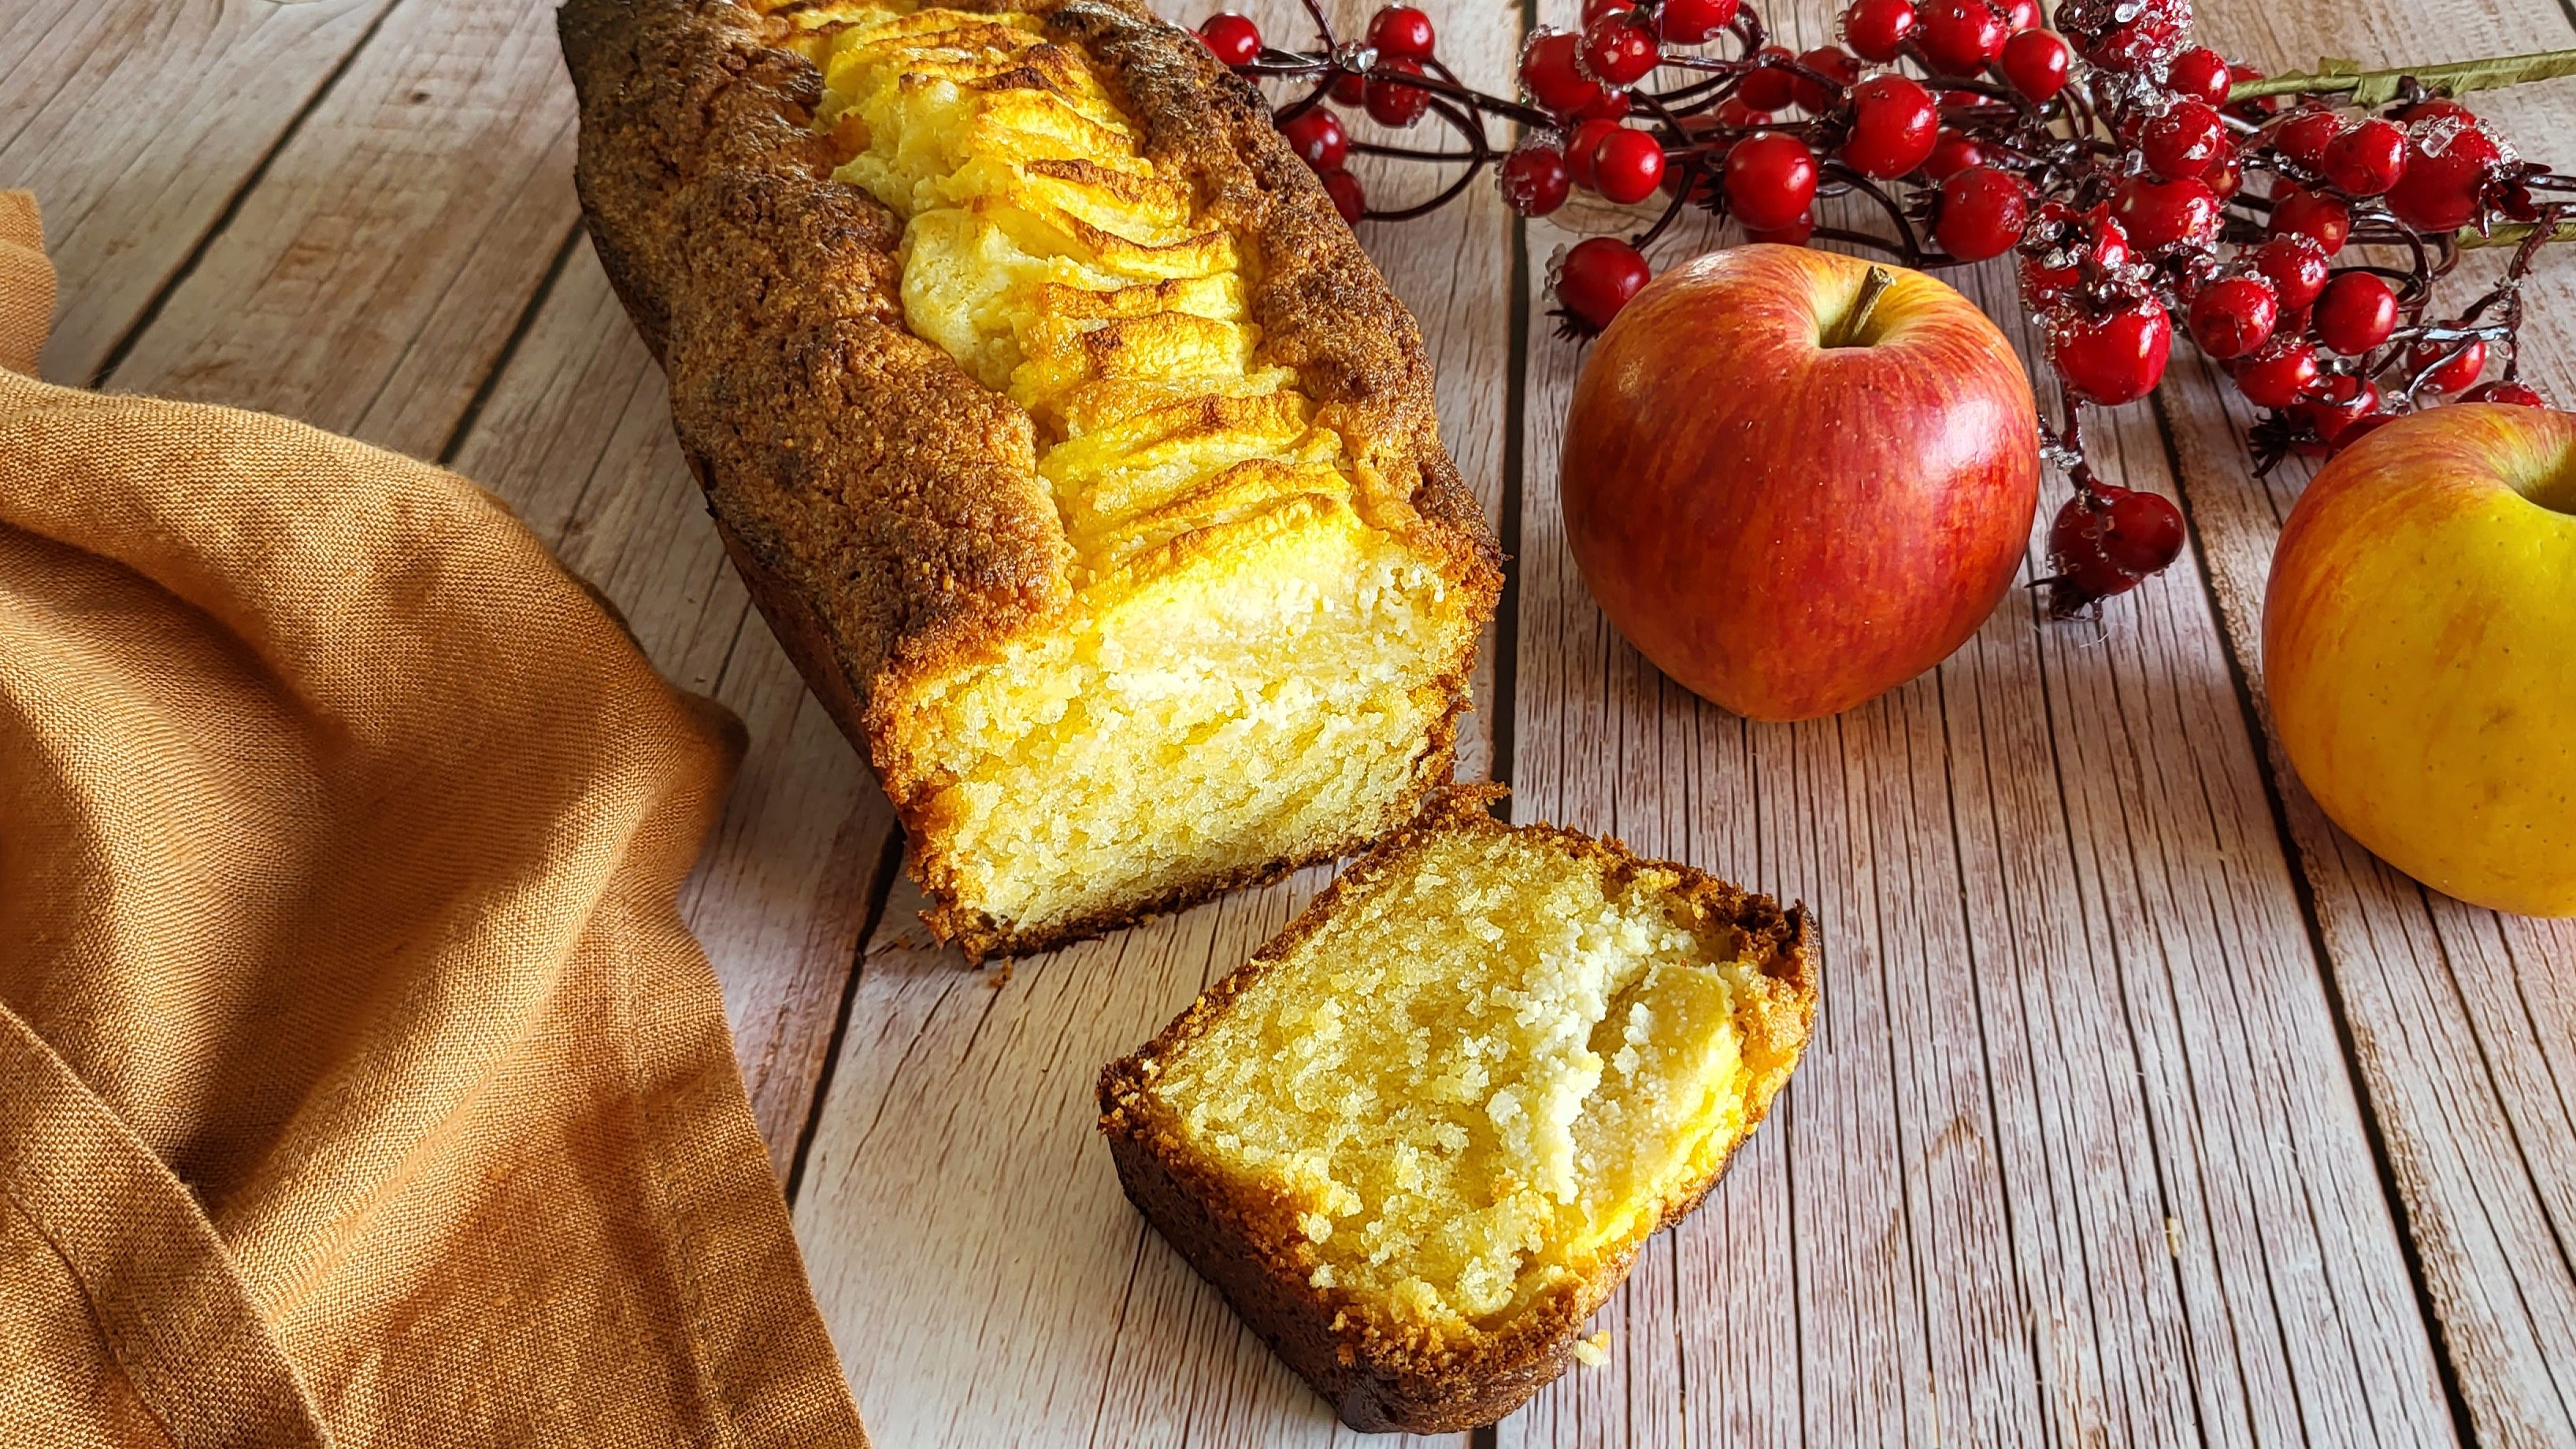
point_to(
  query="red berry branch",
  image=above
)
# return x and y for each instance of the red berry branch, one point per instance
(2142, 181)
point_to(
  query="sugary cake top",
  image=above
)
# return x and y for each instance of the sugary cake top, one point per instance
(1058, 265)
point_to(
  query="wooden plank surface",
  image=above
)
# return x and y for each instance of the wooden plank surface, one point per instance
(137, 123)
(966, 1236)
(2128, 1122)
(371, 280)
(2463, 1020)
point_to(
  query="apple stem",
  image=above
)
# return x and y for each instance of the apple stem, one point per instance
(1857, 319)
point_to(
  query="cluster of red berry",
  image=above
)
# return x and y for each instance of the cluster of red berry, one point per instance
(2142, 182)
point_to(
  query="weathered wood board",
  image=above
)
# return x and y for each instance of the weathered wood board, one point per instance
(2147, 1108)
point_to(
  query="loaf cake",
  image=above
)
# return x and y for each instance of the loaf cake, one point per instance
(1061, 430)
(1421, 1135)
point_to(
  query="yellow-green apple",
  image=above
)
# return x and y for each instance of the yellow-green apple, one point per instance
(2419, 648)
(1792, 498)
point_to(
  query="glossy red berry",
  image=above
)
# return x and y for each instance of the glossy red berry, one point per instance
(1769, 179)
(1735, 113)
(2021, 14)
(2433, 108)
(2062, 250)
(2142, 532)
(2161, 214)
(1317, 137)
(2200, 73)
(1795, 234)
(1628, 166)
(1401, 30)
(1392, 102)
(1953, 153)
(1695, 22)
(1350, 88)
(2107, 540)
(2280, 374)
(2465, 362)
(1826, 60)
(2135, 37)
(2186, 141)
(1958, 37)
(1615, 52)
(1234, 38)
(2080, 573)
(2234, 315)
(2113, 356)
(2366, 159)
(1769, 88)
(1348, 198)
(2225, 177)
(1549, 74)
(1534, 180)
(2305, 133)
(2514, 394)
(2355, 313)
(1894, 126)
(1597, 277)
(2329, 412)
(2038, 64)
(1878, 29)
(2296, 266)
(2449, 162)
(1604, 106)
(2306, 213)
(1583, 147)
(1983, 211)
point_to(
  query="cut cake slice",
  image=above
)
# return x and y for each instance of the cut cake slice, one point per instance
(1421, 1135)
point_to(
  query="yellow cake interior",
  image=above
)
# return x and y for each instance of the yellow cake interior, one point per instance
(1488, 1073)
(1249, 666)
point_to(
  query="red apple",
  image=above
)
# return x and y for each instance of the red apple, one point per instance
(1787, 501)
(2419, 649)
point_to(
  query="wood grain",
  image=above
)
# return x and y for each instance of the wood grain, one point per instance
(371, 280)
(1027, 1303)
(2090, 1147)
(2075, 1158)
(137, 122)
(576, 436)
(2462, 1019)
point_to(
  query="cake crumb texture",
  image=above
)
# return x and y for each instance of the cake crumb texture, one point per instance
(1449, 1105)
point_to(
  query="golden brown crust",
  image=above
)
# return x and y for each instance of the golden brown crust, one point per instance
(1375, 1381)
(883, 505)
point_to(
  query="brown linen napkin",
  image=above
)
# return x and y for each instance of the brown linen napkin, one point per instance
(359, 1083)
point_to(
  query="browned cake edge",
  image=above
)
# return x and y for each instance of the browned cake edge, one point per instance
(878, 500)
(1248, 1247)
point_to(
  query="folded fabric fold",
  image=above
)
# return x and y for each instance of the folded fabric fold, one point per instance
(359, 1081)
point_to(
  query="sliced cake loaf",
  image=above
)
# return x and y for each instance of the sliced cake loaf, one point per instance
(1064, 433)
(1419, 1138)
